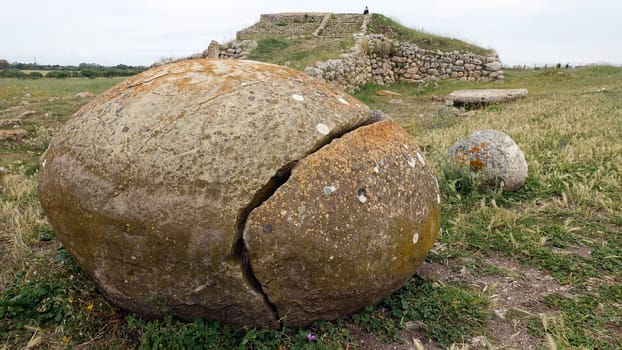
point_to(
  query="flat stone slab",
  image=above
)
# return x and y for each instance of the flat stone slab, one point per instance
(486, 95)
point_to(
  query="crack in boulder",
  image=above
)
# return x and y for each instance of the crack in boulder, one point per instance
(368, 192)
(240, 251)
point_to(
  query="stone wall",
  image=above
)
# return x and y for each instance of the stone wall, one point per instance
(237, 49)
(298, 25)
(343, 25)
(283, 25)
(376, 59)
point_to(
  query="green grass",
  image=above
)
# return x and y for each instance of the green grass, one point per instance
(172, 334)
(53, 291)
(55, 87)
(565, 225)
(449, 313)
(584, 321)
(299, 53)
(49, 103)
(394, 30)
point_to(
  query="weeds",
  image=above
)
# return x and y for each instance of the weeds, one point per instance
(172, 334)
(584, 321)
(377, 321)
(448, 313)
(52, 291)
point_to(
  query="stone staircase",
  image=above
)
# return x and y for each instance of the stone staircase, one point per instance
(342, 25)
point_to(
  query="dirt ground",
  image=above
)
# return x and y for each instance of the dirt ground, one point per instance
(517, 288)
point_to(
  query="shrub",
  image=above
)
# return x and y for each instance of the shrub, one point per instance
(111, 72)
(89, 73)
(13, 73)
(57, 74)
(35, 75)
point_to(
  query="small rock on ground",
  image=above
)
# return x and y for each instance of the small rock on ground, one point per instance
(12, 135)
(387, 93)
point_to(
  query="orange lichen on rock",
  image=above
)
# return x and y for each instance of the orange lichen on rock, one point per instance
(476, 156)
(477, 164)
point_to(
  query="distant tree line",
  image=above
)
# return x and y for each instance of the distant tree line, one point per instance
(546, 66)
(88, 70)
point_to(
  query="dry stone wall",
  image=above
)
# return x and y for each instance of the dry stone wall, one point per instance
(339, 26)
(237, 49)
(376, 59)
(283, 25)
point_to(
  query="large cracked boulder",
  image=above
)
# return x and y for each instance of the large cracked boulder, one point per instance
(238, 191)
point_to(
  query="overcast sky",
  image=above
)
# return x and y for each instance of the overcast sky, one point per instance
(140, 32)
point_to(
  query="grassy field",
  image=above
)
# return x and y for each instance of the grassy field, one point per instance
(540, 268)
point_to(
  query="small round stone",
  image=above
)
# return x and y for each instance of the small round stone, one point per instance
(494, 155)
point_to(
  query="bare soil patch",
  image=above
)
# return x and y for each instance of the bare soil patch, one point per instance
(517, 288)
(409, 336)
